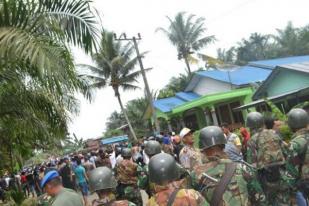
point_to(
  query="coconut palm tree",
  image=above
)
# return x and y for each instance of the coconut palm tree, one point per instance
(115, 67)
(37, 73)
(186, 33)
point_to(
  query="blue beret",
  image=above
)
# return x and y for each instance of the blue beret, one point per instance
(49, 176)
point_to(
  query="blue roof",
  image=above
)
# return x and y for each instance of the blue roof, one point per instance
(112, 140)
(167, 104)
(272, 63)
(240, 76)
(187, 96)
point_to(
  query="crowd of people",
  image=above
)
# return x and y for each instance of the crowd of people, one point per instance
(255, 168)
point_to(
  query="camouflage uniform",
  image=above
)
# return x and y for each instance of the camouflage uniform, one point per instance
(126, 174)
(184, 197)
(111, 201)
(103, 161)
(298, 164)
(236, 193)
(144, 183)
(44, 200)
(189, 157)
(265, 153)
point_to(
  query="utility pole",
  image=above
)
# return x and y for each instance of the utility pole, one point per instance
(123, 37)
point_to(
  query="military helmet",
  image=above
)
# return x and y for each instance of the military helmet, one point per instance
(126, 153)
(298, 118)
(101, 178)
(255, 120)
(211, 136)
(152, 147)
(162, 168)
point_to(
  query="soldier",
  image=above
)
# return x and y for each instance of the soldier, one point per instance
(126, 173)
(151, 148)
(163, 171)
(298, 164)
(188, 156)
(103, 159)
(60, 195)
(220, 180)
(265, 153)
(102, 181)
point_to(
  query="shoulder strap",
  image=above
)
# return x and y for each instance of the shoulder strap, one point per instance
(172, 197)
(216, 199)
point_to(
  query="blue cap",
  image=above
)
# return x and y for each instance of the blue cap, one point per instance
(49, 176)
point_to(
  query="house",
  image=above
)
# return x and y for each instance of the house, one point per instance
(212, 96)
(286, 86)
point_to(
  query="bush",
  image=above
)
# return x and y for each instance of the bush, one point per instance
(196, 135)
(286, 133)
(17, 196)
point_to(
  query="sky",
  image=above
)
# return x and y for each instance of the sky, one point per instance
(228, 20)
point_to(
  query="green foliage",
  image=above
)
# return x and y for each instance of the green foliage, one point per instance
(176, 84)
(187, 34)
(289, 41)
(17, 196)
(286, 132)
(196, 135)
(115, 67)
(112, 133)
(276, 112)
(135, 110)
(302, 105)
(38, 79)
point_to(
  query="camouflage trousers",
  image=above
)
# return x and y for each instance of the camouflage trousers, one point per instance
(276, 188)
(130, 193)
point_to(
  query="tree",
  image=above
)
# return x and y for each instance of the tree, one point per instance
(176, 84)
(37, 73)
(115, 67)
(289, 41)
(226, 56)
(186, 33)
(293, 41)
(257, 47)
(135, 110)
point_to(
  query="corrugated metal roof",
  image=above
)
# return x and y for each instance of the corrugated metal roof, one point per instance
(274, 99)
(187, 96)
(167, 104)
(302, 67)
(272, 63)
(239, 76)
(112, 140)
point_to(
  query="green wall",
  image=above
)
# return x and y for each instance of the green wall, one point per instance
(287, 80)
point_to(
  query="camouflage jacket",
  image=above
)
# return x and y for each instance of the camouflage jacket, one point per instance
(236, 193)
(103, 161)
(299, 155)
(264, 149)
(144, 183)
(110, 200)
(44, 200)
(126, 172)
(184, 197)
(189, 157)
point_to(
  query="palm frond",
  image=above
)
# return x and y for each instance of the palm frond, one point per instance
(75, 19)
(199, 44)
(127, 87)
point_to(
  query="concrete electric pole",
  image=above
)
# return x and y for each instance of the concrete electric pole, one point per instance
(123, 37)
